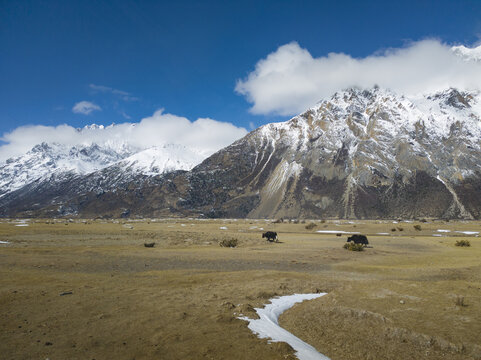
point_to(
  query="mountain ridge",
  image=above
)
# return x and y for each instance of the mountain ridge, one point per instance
(362, 153)
(50, 161)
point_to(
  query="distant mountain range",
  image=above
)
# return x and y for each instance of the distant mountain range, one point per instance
(359, 154)
(55, 162)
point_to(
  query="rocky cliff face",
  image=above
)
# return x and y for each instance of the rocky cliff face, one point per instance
(360, 154)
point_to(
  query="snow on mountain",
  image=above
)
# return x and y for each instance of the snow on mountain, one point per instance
(369, 143)
(361, 153)
(355, 113)
(56, 162)
(469, 54)
(161, 159)
(45, 160)
(371, 124)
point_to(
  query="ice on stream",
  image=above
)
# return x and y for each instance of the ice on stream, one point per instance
(267, 325)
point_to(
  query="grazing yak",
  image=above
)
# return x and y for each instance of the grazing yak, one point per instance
(358, 239)
(270, 235)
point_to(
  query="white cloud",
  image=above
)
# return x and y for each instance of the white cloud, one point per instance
(290, 80)
(204, 135)
(125, 115)
(124, 95)
(85, 107)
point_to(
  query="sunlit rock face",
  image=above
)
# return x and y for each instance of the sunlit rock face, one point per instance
(359, 154)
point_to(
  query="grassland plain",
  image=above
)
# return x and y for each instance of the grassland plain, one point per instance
(89, 289)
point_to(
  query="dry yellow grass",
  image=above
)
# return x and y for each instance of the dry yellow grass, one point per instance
(398, 299)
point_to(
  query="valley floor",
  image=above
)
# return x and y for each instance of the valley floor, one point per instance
(85, 289)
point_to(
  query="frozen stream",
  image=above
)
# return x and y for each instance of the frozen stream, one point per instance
(267, 325)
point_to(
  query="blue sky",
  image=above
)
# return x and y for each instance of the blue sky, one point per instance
(131, 58)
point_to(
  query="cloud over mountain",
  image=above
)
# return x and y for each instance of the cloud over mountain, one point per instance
(289, 80)
(203, 135)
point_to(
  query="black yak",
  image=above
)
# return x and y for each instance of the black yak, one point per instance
(270, 235)
(358, 239)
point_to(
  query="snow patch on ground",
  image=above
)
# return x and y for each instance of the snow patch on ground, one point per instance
(443, 231)
(468, 232)
(267, 325)
(337, 232)
(4, 242)
(223, 228)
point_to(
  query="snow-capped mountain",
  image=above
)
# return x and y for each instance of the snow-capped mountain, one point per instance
(160, 159)
(366, 148)
(468, 54)
(358, 154)
(45, 160)
(57, 162)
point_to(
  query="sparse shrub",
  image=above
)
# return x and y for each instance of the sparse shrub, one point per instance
(338, 234)
(323, 221)
(232, 243)
(423, 220)
(400, 228)
(310, 226)
(278, 221)
(353, 247)
(303, 221)
(393, 229)
(417, 227)
(459, 301)
(462, 243)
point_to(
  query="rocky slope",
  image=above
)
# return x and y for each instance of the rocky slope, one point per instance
(360, 154)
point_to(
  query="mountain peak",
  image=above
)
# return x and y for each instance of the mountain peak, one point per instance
(91, 127)
(468, 54)
(361, 153)
(455, 98)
